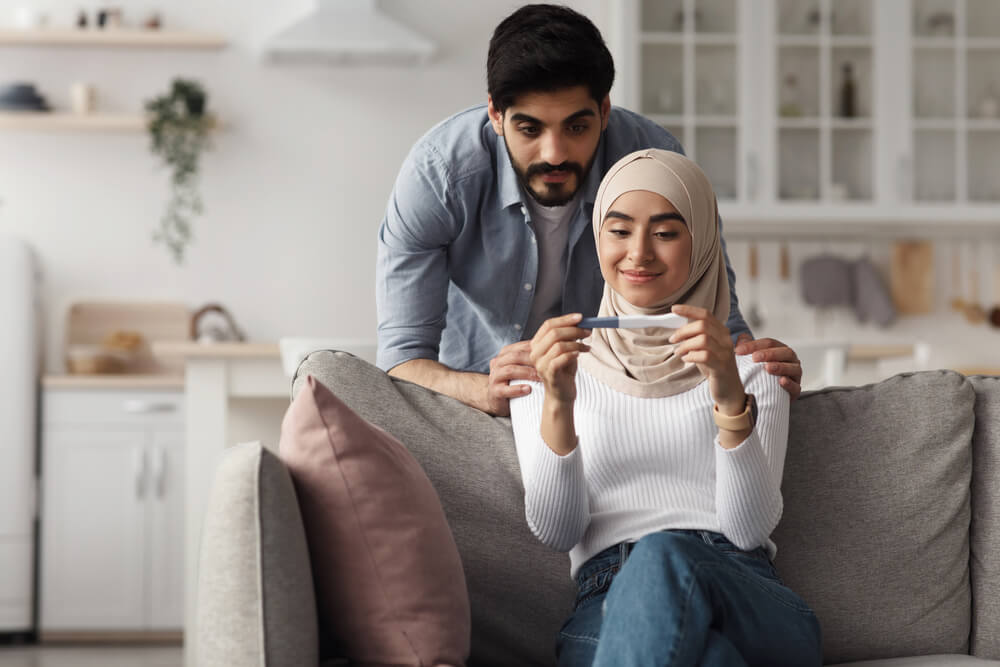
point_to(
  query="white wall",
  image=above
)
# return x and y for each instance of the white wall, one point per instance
(294, 188)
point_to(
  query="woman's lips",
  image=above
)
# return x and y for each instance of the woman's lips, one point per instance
(639, 277)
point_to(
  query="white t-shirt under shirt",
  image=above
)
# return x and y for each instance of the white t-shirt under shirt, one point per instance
(648, 464)
(551, 225)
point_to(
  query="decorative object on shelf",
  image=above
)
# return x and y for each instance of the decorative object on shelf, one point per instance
(110, 17)
(791, 105)
(213, 324)
(179, 130)
(847, 92)
(941, 24)
(21, 97)
(83, 97)
(154, 22)
(81, 19)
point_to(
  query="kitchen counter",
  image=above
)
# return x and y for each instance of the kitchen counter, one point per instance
(113, 381)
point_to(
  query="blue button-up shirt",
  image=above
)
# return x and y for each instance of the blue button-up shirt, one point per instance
(457, 261)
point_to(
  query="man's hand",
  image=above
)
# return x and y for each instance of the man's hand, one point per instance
(512, 363)
(779, 359)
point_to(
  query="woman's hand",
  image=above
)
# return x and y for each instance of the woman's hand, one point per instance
(705, 342)
(554, 352)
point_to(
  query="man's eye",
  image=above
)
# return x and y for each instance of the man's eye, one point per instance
(578, 129)
(528, 130)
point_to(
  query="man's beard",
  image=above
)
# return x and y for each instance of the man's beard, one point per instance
(555, 194)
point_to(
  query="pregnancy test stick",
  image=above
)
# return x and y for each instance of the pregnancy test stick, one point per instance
(666, 321)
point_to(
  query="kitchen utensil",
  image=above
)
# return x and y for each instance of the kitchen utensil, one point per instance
(754, 314)
(911, 277)
(665, 321)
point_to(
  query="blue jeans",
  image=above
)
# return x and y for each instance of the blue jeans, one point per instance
(686, 597)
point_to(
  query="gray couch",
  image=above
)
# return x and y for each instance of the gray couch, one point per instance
(891, 528)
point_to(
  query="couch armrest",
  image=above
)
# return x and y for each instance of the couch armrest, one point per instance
(256, 604)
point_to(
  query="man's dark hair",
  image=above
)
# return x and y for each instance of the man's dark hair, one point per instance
(544, 48)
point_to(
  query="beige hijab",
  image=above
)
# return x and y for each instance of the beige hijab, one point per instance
(641, 362)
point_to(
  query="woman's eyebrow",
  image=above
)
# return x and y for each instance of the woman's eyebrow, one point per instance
(660, 217)
(619, 215)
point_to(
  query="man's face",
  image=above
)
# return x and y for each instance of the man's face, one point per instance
(552, 138)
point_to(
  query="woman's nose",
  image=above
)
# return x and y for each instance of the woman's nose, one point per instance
(640, 250)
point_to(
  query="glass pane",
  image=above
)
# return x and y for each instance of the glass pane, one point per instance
(934, 166)
(715, 16)
(983, 18)
(662, 79)
(716, 148)
(798, 156)
(798, 75)
(852, 165)
(983, 85)
(662, 16)
(678, 133)
(934, 83)
(715, 80)
(852, 17)
(984, 165)
(796, 17)
(851, 95)
(934, 18)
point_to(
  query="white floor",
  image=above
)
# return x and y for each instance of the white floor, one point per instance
(91, 656)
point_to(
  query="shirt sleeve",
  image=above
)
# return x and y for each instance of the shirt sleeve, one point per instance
(411, 274)
(556, 504)
(748, 477)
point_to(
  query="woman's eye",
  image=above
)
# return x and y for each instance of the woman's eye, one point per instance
(620, 233)
(666, 236)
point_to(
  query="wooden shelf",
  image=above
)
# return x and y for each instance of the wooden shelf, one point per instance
(111, 37)
(72, 122)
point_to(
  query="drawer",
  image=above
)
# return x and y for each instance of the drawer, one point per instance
(148, 407)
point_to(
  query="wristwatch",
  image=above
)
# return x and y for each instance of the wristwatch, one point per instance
(741, 422)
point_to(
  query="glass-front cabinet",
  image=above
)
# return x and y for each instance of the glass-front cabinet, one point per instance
(807, 107)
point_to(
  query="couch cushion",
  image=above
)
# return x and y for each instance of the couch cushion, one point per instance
(255, 596)
(923, 661)
(520, 591)
(388, 576)
(985, 530)
(875, 528)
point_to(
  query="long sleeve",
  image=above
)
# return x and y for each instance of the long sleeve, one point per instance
(748, 477)
(555, 488)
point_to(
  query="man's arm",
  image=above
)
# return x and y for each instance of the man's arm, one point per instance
(489, 393)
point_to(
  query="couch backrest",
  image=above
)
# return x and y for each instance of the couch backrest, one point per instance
(875, 532)
(874, 535)
(985, 529)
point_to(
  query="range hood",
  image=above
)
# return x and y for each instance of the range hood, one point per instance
(348, 32)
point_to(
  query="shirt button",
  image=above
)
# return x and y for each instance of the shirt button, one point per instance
(527, 287)
(517, 327)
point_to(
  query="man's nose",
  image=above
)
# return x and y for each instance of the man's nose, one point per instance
(553, 148)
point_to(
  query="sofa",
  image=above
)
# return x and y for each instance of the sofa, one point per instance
(890, 531)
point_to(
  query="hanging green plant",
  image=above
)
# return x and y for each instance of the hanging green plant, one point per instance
(179, 130)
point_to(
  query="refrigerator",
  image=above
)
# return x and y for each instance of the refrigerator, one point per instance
(20, 365)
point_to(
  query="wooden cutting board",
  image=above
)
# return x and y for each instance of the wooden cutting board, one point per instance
(911, 277)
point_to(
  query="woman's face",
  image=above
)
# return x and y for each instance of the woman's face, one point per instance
(644, 248)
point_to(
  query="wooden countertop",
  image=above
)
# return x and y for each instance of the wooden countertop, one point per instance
(113, 381)
(195, 350)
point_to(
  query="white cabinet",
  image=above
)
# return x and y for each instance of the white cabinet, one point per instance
(818, 109)
(112, 510)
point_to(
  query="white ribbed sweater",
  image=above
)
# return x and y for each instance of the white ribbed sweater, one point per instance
(648, 464)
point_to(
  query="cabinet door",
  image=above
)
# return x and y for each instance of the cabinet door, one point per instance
(165, 603)
(93, 529)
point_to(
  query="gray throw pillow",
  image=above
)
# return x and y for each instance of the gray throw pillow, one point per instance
(877, 506)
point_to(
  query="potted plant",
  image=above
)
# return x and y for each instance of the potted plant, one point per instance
(179, 132)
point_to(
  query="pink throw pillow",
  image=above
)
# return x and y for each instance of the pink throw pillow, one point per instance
(389, 582)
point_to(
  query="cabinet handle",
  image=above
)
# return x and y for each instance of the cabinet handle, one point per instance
(138, 406)
(139, 465)
(753, 176)
(160, 471)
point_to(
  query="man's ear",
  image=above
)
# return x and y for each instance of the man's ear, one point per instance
(496, 117)
(605, 112)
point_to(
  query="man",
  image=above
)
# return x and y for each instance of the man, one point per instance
(487, 231)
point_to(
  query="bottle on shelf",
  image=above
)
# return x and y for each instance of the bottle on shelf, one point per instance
(847, 92)
(790, 106)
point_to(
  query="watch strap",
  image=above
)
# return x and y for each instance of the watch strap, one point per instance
(741, 422)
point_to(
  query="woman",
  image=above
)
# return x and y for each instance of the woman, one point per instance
(654, 456)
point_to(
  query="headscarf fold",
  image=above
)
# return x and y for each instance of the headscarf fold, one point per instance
(641, 362)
